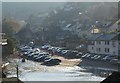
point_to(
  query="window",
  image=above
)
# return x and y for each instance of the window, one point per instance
(92, 48)
(98, 42)
(98, 49)
(107, 42)
(107, 50)
(113, 43)
(92, 42)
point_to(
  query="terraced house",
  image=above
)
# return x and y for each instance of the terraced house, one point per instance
(105, 43)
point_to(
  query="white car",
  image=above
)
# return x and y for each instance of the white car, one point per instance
(115, 61)
(84, 55)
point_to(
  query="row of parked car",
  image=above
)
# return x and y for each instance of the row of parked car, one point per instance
(45, 57)
(37, 55)
(107, 58)
(62, 51)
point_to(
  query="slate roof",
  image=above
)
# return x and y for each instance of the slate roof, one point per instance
(105, 36)
(93, 36)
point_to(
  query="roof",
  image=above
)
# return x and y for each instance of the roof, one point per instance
(113, 78)
(93, 36)
(105, 36)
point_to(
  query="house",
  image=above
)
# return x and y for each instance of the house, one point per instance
(115, 26)
(3, 41)
(105, 43)
(72, 42)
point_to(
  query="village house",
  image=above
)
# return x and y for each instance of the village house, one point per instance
(105, 43)
(115, 27)
(3, 41)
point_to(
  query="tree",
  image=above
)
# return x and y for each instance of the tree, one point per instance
(9, 28)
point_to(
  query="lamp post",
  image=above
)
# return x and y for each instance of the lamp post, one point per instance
(17, 73)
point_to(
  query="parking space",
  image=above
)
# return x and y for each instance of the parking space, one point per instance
(35, 54)
(61, 51)
(46, 53)
(111, 59)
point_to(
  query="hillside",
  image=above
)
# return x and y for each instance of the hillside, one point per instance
(73, 18)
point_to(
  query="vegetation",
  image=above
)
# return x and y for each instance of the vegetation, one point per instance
(9, 27)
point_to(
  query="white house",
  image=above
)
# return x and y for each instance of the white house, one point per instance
(3, 41)
(105, 43)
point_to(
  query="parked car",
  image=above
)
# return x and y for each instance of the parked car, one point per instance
(37, 52)
(95, 57)
(47, 58)
(79, 55)
(45, 47)
(41, 58)
(84, 56)
(87, 56)
(51, 62)
(115, 61)
(108, 58)
(63, 52)
(25, 48)
(59, 51)
(71, 54)
(36, 55)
